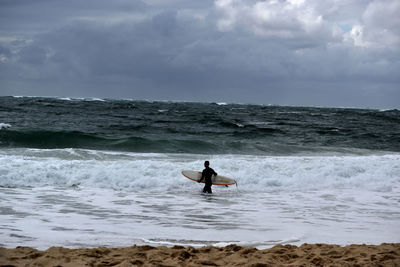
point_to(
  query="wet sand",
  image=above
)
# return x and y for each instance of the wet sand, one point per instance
(281, 255)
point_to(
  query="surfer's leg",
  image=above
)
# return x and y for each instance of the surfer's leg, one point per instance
(207, 188)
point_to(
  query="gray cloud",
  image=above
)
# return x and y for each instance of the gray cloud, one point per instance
(282, 52)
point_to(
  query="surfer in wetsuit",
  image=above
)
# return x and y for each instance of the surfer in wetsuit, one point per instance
(207, 174)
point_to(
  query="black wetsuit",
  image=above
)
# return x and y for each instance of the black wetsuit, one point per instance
(207, 174)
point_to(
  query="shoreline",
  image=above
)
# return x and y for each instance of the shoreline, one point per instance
(385, 254)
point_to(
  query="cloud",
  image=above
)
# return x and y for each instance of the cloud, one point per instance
(285, 52)
(282, 19)
(381, 24)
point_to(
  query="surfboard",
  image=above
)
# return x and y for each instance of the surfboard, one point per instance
(216, 180)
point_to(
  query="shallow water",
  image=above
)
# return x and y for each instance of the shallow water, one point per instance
(89, 218)
(61, 198)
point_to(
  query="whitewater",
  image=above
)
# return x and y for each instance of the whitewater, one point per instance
(88, 198)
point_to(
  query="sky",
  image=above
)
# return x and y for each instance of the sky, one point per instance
(342, 53)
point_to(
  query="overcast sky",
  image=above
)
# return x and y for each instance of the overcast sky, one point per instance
(294, 52)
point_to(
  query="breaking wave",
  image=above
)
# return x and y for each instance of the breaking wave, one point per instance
(132, 171)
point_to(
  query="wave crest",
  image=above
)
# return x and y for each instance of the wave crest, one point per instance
(4, 125)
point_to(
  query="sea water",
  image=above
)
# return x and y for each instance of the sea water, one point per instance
(91, 172)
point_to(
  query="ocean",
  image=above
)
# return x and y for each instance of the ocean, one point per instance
(100, 172)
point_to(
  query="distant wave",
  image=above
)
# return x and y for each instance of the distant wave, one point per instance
(63, 98)
(74, 139)
(189, 127)
(94, 99)
(4, 126)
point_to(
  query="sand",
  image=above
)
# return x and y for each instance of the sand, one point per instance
(232, 255)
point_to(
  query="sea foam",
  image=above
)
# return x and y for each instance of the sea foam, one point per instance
(4, 125)
(130, 171)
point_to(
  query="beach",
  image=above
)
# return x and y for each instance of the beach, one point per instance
(386, 254)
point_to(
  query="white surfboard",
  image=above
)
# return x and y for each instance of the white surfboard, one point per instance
(216, 180)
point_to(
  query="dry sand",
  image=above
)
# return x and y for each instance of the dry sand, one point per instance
(287, 255)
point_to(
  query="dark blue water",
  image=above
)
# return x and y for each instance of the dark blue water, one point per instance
(176, 127)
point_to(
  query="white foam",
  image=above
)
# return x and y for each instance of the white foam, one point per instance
(94, 99)
(389, 109)
(4, 125)
(258, 244)
(118, 170)
(280, 200)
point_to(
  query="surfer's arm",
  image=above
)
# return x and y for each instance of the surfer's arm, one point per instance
(202, 177)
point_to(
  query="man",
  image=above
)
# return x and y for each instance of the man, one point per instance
(207, 174)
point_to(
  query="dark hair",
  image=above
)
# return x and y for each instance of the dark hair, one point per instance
(207, 163)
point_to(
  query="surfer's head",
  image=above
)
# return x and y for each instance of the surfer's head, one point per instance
(206, 163)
